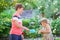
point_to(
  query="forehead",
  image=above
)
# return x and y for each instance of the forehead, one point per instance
(43, 22)
(21, 8)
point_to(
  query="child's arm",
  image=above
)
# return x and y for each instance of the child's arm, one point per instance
(45, 31)
(25, 28)
(20, 26)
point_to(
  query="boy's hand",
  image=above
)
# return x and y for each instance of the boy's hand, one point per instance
(27, 30)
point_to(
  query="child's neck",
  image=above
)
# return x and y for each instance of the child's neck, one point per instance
(17, 13)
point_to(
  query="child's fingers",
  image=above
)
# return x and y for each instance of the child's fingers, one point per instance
(27, 30)
(39, 32)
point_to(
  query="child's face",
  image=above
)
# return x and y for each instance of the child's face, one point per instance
(43, 24)
(20, 10)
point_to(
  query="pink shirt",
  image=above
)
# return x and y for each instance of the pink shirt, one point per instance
(15, 29)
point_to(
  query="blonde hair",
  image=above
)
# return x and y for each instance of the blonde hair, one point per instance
(44, 20)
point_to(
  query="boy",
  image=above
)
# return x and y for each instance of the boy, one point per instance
(17, 27)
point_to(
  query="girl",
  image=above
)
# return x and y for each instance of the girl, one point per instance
(17, 27)
(46, 30)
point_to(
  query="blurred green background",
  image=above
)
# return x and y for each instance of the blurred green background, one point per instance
(45, 8)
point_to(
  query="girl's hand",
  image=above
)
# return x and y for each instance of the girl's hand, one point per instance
(39, 31)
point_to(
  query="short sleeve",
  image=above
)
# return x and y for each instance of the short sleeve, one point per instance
(14, 18)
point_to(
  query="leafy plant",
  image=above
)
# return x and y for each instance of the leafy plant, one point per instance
(56, 26)
(4, 4)
(5, 22)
